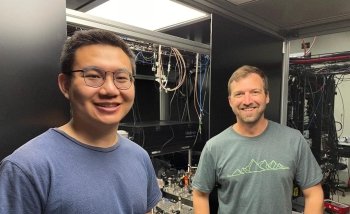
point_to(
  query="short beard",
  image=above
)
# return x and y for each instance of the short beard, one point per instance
(250, 120)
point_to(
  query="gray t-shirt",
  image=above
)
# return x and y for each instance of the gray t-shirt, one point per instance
(256, 173)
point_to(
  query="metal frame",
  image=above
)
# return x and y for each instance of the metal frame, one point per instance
(284, 86)
(80, 19)
(324, 29)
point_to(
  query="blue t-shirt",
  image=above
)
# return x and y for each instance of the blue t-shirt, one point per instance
(54, 173)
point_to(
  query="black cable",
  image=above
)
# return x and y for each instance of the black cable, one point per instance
(172, 137)
(135, 121)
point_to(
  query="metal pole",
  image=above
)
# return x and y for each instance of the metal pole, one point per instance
(285, 75)
(163, 105)
(190, 157)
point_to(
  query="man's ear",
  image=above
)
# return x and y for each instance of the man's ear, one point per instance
(229, 100)
(64, 84)
(267, 97)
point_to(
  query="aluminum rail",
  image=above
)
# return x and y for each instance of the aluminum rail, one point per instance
(284, 87)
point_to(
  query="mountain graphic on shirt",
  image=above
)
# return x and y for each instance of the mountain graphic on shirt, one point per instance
(254, 167)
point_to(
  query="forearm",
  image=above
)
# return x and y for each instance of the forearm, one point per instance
(200, 206)
(200, 202)
(313, 206)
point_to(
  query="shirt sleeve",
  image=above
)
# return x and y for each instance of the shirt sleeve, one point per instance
(154, 195)
(309, 172)
(204, 179)
(17, 193)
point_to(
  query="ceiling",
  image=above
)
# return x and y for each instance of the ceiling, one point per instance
(283, 18)
(83, 5)
(286, 18)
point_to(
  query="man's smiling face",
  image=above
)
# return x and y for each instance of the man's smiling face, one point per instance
(248, 99)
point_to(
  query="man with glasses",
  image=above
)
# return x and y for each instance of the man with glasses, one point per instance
(84, 166)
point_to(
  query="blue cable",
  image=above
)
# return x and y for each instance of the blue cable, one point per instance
(201, 86)
(138, 60)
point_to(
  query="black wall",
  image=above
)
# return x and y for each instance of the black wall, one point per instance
(31, 37)
(232, 46)
(146, 103)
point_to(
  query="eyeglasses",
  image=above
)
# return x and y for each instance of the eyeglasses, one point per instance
(95, 77)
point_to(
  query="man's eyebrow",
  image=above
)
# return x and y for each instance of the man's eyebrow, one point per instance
(123, 69)
(117, 70)
(236, 92)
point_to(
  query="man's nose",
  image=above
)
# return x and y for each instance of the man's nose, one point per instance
(109, 85)
(247, 99)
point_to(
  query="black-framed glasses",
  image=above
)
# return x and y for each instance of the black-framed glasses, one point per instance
(95, 77)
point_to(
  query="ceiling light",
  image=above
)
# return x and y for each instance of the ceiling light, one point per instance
(150, 14)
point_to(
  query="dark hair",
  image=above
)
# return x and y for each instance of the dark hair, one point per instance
(243, 72)
(92, 37)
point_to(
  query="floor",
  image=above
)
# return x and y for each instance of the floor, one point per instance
(343, 176)
(341, 199)
(298, 204)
